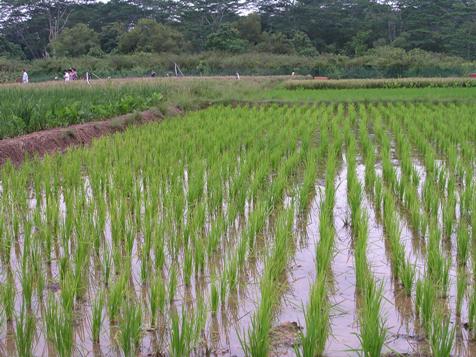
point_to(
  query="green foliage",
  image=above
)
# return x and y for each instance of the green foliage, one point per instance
(226, 38)
(76, 41)
(150, 36)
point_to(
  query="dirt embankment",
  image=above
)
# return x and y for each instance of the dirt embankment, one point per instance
(59, 139)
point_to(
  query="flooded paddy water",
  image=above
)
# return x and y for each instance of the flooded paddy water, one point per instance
(164, 240)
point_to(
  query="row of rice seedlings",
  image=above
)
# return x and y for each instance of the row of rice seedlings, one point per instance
(315, 155)
(372, 333)
(317, 312)
(264, 201)
(409, 179)
(442, 181)
(434, 319)
(403, 270)
(256, 341)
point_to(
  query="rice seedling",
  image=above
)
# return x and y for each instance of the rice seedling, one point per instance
(130, 327)
(461, 281)
(425, 299)
(214, 297)
(172, 285)
(462, 239)
(8, 298)
(317, 313)
(97, 317)
(157, 298)
(407, 277)
(115, 297)
(60, 329)
(373, 333)
(442, 336)
(181, 334)
(25, 333)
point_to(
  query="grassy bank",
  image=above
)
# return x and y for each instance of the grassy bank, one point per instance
(36, 107)
(456, 82)
(374, 94)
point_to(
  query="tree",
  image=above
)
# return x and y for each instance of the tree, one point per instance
(34, 24)
(302, 44)
(110, 35)
(76, 41)
(150, 36)
(249, 27)
(226, 38)
(277, 43)
(9, 49)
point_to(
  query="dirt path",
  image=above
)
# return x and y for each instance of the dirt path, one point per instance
(59, 139)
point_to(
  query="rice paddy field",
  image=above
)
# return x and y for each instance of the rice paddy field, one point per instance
(306, 229)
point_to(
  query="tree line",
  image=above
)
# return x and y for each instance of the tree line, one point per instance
(32, 29)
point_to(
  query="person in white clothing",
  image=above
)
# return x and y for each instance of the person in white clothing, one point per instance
(66, 76)
(24, 77)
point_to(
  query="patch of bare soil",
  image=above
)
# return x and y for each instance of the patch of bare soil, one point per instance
(59, 139)
(283, 338)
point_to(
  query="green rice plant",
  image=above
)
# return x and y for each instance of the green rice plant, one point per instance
(472, 314)
(214, 296)
(60, 328)
(181, 334)
(317, 314)
(378, 196)
(441, 336)
(106, 266)
(115, 297)
(187, 266)
(130, 327)
(27, 285)
(97, 317)
(372, 328)
(157, 298)
(257, 339)
(144, 266)
(68, 291)
(407, 276)
(25, 333)
(462, 241)
(172, 284)
(8, 297)
(425, 302)
(461, 281)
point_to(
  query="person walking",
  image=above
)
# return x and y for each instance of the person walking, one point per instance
(24, 77)
(66, 76)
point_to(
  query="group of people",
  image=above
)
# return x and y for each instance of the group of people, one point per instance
(70, 75)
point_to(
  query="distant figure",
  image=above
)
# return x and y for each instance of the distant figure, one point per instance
(73, 74)
(237, 76)
(153, 74)
(67, 76)
(293, 74)
(24, 77)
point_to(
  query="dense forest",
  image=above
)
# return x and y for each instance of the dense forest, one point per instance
(33, 29)
(339, 38)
